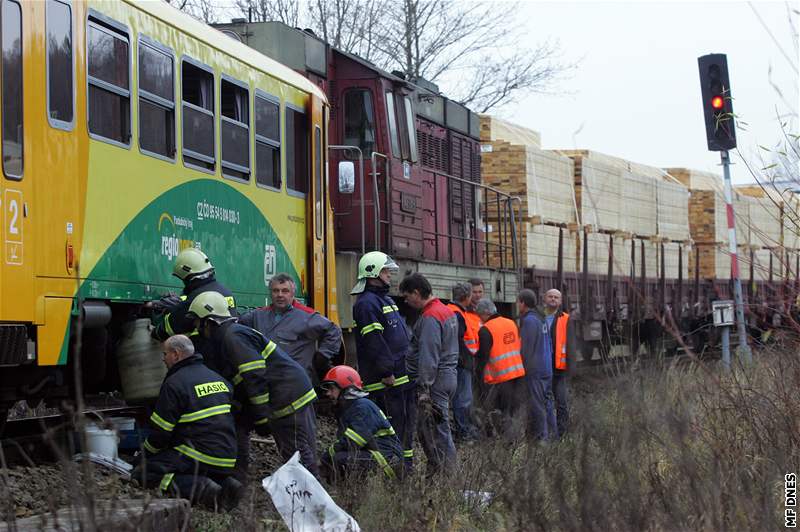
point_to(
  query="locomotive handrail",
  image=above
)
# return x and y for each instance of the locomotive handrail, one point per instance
(387, 169)
(360, 188)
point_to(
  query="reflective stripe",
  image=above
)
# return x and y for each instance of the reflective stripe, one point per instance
(371, 327)
(380, 386)
(331, 451)
(390, 308)
(167, 326)
(206, 459)
(268, 350)
(509, 369)
(355, 436)
(165, 481)
(385, 432)
(231, 301)
(183, 298)
(250, 366)
(149, 446)
(506, 355)
(261, 421)
(158, 420)
(260, 399)
(408, 453)
(387, 469)
(296, 405)
(204, 413)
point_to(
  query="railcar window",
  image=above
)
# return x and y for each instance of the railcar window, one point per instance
(198, 116)
(156, 100)
(392, 120)
(235, 129)
(268, 142)
(11, 16)
(109, 90)
(410, 129)
(359, 120)
(60, 91)
(296, 150)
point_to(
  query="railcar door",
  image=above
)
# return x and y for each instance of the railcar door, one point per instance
(317, 214)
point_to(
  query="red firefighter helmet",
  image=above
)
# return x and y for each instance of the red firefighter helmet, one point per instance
(343, 377)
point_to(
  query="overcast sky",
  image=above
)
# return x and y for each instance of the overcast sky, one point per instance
(636, 93)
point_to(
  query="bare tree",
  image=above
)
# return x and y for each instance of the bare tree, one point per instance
(203, 10)
(286, 11)
(349, 25)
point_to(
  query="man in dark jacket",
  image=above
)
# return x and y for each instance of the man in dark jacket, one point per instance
(382, 343)
(194, 268)
(432, 365)
(365, 439)
(465, 429)
(538, 360)
(311, 339)
(191, 449)
(274, 391)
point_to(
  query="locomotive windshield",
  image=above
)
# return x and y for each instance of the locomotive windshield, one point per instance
(359, 121)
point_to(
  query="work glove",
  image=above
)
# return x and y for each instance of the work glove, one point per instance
(166, 303)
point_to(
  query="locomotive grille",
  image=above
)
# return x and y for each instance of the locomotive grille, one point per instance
(13, 344)
(433, 151)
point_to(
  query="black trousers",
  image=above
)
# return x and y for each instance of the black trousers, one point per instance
(400, 406)
(174, 472)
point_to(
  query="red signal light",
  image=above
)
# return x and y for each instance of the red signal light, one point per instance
(717, 102)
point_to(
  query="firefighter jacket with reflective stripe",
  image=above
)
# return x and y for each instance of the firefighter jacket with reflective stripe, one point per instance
(559, 331)
(535, 338)
(505, 359)
(382, 339)
(363, 426)
(300, 331)
(434, 347)
(193, 415)
(466, 354)
(268, 383)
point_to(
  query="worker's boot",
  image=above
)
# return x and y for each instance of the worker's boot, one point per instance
(232, 493)
(208, 493)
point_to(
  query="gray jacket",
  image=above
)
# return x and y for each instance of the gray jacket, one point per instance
(300, 332)
(434, 348)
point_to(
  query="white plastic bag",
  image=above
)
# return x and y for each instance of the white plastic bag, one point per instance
(303, 502)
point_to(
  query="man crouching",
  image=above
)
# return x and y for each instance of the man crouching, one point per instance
(191, 449)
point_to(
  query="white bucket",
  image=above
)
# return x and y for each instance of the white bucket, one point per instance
(101, 441)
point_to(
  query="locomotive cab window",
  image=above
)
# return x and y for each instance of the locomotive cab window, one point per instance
(359, 120)
(156, 99)
(296, 150)
(60, 72)
(411, 129)
(11, 16)
(234, 129)
(392, 122)
(268, 141)
(108, 53)
(197, 110)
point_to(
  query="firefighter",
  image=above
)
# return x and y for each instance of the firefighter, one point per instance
(274, 391)
(467, 347)
(560, 330)
(432, 364)
(194, 268)
(365, 439)
(382, 343)
(499, 361)
(191, 448)
(311, 339)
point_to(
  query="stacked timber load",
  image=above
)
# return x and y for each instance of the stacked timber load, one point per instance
(766, 232)
(634, 205)
(708, 223)
(512, 162)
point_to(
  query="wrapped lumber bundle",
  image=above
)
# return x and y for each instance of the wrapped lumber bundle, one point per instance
(673, 210)
(672, 252)
(541, 245)
(696, 179)
(599, 251)
(639, 204)
(493, 128)
(598, 188)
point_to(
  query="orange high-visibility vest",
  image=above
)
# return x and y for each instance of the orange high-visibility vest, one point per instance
(473, 326)
(505, 359)
(561, 341)
(471, 334)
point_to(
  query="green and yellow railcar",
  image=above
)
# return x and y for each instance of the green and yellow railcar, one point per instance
(129, 132)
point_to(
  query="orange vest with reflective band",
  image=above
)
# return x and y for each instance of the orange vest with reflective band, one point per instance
(473, 324)
(561, 342)
(505, 359)
(471, 334)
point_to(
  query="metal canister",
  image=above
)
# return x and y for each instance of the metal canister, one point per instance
(141, 368)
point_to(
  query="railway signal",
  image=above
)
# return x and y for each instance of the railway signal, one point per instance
(717, 102)
(715, 88)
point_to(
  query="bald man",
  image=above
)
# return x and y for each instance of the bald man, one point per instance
(560, 336)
